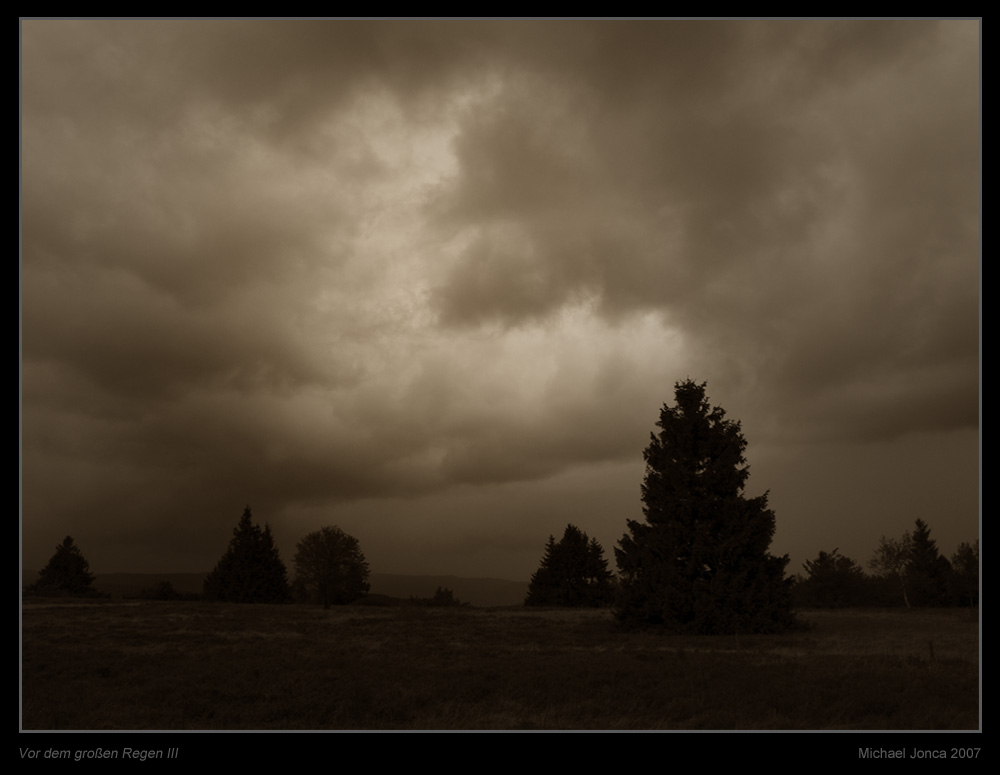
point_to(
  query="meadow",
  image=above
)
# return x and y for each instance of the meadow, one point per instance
(205, 666)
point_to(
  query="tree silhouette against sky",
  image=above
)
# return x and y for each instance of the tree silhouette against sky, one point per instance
(251, 570)
(330, 568)
(573, 572)
(700, 561)
(66, 571)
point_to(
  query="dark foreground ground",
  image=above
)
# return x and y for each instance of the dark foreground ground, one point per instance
(165, 665)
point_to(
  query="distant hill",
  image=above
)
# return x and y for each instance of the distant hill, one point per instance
(479, 592)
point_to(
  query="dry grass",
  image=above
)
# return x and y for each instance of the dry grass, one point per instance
(166, 665)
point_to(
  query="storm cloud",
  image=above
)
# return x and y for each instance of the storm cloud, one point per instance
(432, 281)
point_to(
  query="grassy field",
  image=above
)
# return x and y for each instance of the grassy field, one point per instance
(163, 665)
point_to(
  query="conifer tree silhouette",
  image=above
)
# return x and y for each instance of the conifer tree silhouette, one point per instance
(699, 563)
(573, 572)
(66, 571)
(251, 570)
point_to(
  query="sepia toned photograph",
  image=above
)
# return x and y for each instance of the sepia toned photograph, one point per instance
(482, 375)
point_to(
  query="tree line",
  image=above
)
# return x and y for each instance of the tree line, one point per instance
(330, 569)
(699, 562)
(908, 571)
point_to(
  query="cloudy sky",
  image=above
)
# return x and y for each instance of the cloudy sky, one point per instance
(433, 281)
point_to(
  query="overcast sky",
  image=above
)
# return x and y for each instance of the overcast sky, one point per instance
(432, 281)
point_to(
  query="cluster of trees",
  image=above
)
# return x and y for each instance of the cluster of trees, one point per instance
(833, 581)
(699, 564)
(908, 571)
(330, 569)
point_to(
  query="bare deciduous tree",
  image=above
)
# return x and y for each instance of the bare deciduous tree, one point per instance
(892, 561)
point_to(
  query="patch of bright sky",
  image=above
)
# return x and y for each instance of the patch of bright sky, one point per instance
(398, 164)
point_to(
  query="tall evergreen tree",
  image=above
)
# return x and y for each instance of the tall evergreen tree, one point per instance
(930, 573)
(700, 562)
(542, 580)
(251, 570)
(573, 572)
(66, 571)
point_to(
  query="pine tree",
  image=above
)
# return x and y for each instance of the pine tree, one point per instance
(251, 570)
(543, 580)
(700, 562)
(930, 573)
(573, 572)
(66, 571)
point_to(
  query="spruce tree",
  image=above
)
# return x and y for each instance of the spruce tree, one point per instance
(251, 570)
(700, 561)
(66, 572)
(930, 573)
(573, 572)
(542, 584)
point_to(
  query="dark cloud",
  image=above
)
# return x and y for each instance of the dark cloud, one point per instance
(826, 248)
(358, 270)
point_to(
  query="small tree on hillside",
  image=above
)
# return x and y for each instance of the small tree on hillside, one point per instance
(66, 572)
(251, 570)
(573, 572)
(330, 568)
(700, 562)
